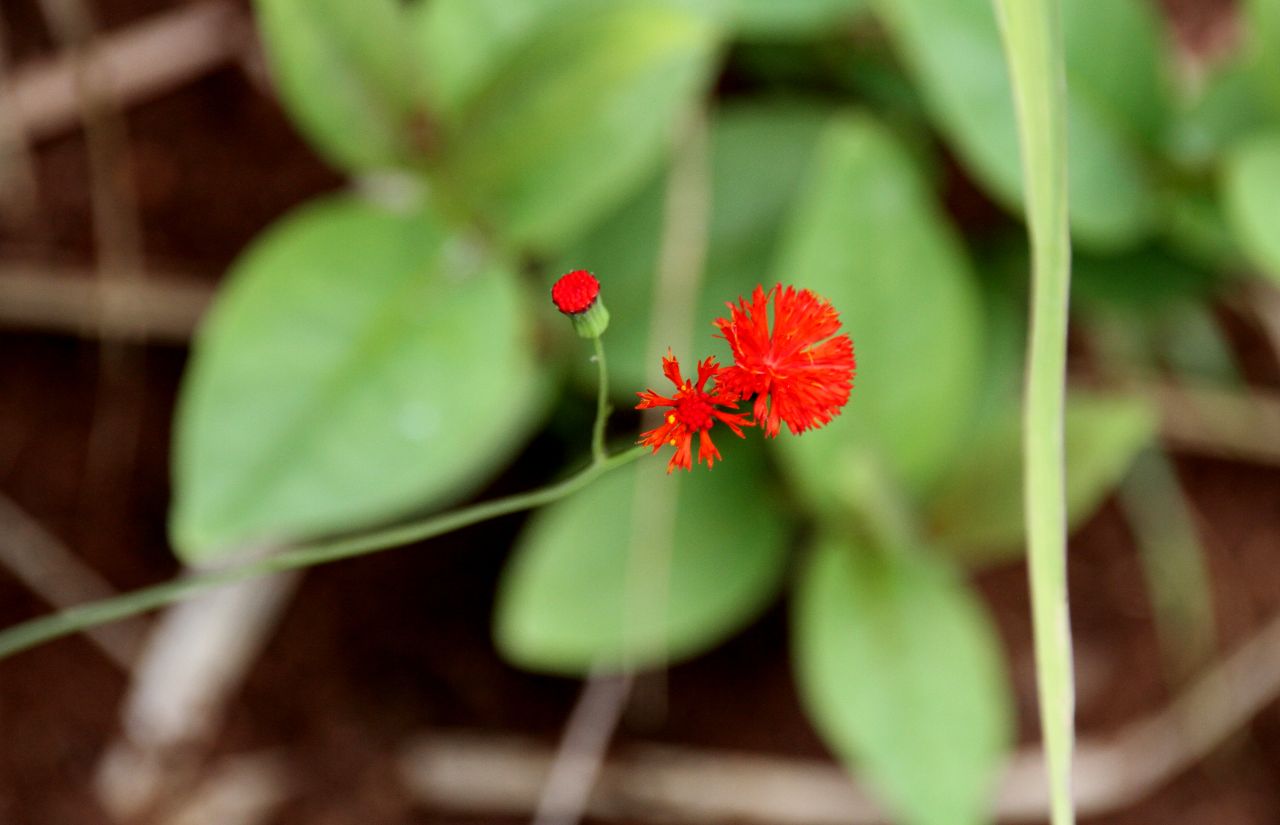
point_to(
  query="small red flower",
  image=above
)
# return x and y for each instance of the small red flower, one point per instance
(575, 292)
(795, 375)
(693, 410)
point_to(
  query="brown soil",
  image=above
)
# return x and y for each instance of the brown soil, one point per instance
(375, 649)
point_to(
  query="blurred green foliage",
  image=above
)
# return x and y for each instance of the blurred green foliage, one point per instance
(900, 669)
(378, 352)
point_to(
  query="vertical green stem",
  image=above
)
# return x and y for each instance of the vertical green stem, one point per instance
(1032, 33)
(602, 402)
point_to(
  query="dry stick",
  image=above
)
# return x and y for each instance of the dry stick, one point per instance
(238, 789)
(581, 752)
(117, 235)
(136, 64)
(241, 789)
(1222, 423)
(161, 308)
(491, 775)
(53, 572)
(198, 656)
(18, 187)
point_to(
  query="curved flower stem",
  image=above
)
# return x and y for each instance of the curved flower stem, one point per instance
(47, 628)
(602, 402)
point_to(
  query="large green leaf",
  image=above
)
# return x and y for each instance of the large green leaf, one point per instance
(1230, 107)
(345, 72)
(462, 42)
(793, 18)
(759, 153)
(579, 592)
(953, 49)
(575, 120)
(978, 508)
(1116, 59)
(1251, 181)
(359, 363)
(901, 673)
(868, 236)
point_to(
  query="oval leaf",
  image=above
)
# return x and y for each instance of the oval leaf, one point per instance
(902, 675)
(1252, 191)
(344, 70)
(574, 121)
(867, 235)
(953, 49)
(463, 41)
(978, 508)
(349, 371)
(574, 597)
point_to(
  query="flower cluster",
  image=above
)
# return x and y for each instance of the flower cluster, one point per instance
(799, 373)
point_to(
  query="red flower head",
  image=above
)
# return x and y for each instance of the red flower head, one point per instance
(575, 291)
(577, 294)
(693, 410)
(795, 375)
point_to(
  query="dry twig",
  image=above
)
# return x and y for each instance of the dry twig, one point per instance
(56, 575)
(136, 64)
(160, 308)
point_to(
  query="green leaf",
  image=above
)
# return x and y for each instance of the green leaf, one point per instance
(358, 364)
(1116, 55)
(1251, 184)
(978, 509)
(868, 236)
(576, 119)
(462, 42)
(794, 18)
(1231, 107)
(759, 154)
(953, 49)
(345, 72)
(1145, 281)
(901, 673)
(575, 596)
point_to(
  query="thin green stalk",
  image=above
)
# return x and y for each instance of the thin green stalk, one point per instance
(1032, 33)
(47, 628)
(602, 402)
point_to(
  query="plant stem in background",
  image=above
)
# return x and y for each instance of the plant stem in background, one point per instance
(598, 452)
(1032, 32)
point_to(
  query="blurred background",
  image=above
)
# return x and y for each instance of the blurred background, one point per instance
(277, 270)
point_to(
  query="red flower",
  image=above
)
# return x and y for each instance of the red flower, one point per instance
(693, 410)
(795, 375)
(575, 292)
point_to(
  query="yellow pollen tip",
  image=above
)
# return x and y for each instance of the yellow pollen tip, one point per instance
(671, 418)
(672, 442)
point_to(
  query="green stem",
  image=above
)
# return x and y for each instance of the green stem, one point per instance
(47, 628)
(602, 402)
(1032, 32)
